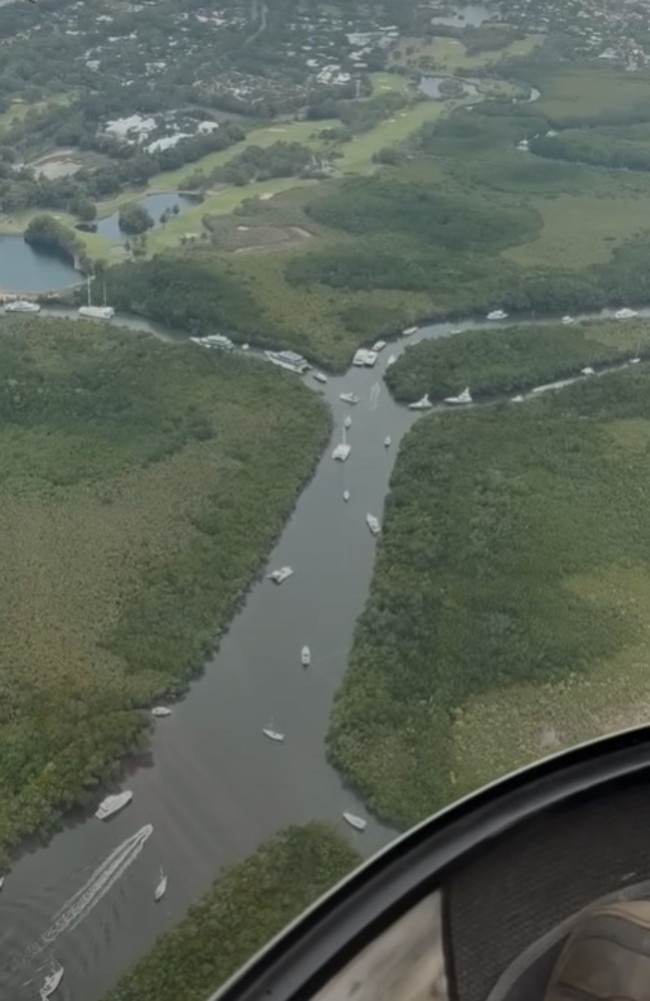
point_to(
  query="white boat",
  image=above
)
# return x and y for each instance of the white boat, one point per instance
(288, 360)
(319, 377)
(357, 822)
(373, 524)
(52, 981)
(278, 576)
(350, 398)
(161, 711)
(497, 314)
(423, 404)
(387, 441)
(305, 656)
(391, 360)
(96, 312)
(22, 306)
(2, 882)
(408, 331)
(161, 889)
(272, 734)
(363, 357)
(217, 341)
(456, 330)
(347, 423)
(587, 371)
(634, 361)
(379, 346)
(567, 320)
(517, 399)
(464, 397)
(346, 496)
(342, 450)
(625, 313)
(112, 804)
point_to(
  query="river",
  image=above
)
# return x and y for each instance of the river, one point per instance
(212, 786)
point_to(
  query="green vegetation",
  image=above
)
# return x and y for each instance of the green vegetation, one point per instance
(579, 95)
(142, 483)
(134, 219)
(451, 54)
(507, 613)
(511, 359)
(250, 903)
(48, 234)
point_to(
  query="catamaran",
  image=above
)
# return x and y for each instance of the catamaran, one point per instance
(351, 398)
(52, 981)
(278, 576)
(373, 524)
(305, 656)
(161, 711)
(357, 822)
(96, 312)
(423, 404)
(497, 314)
(161, 889)
(464, 397)
(112, 804)
(22, 306)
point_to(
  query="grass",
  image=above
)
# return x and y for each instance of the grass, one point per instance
(383, 82)
(449, 54)
(357, 154)
(583, 93)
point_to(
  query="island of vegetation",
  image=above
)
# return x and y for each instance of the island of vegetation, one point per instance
(250, 903)
(142, 484)
(508, 611)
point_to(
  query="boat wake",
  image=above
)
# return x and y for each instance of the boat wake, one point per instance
(97, 886)
(374, 396)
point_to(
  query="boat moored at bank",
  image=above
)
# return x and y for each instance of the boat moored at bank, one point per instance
(113, 804)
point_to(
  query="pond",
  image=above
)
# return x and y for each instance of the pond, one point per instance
(430, 85)
(24, 269)
(155, 206)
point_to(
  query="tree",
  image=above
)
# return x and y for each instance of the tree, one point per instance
(134, 219)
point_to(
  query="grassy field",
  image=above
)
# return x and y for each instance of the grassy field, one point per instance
(582, 93)
(449, 54)
(139, 494)
(382, 82)
(357, 154)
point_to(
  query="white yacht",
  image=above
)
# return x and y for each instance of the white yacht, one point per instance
(357, 822)
(464, 397)
(351, 398)
(387, 441)
(423, 404)
(379, 346)
(52, 981)
(305, 656)
(497, 314)
(342, 451)
(278, 576)
(391, 360)
(625, 313)
(363, 357)
(272, 734)
(22, 306)
(319, 377)
(96, 312)
(373, 524)
(288, 360)
(217, 341)
(567, 321)
(112, 804)
(587, 371)
(161, 888)
(347, 423)
(346, 496)
(408, 331)
(161, 711)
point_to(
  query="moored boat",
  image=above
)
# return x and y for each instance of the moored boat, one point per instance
(280, 575)
(112, 804)
(423, 404)
(22, 306)
(464, 397)
(497, 314)
(161, 888)
(351, 398)
(357, 822)
(373, 524)
(161, 711)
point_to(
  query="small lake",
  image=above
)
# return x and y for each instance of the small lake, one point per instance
(155, 206)
(470, 15)
(23, 269)
(430, 85)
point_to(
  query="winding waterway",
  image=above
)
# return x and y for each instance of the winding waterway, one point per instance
(213, 787)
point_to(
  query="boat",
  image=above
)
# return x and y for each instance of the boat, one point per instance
(587, 371)
(634, 361)
(342, 451)
(161, 889)
(408, 331)
(387, 441)
(319, 377)
(351, 398)
(22, 306)
(567, 320)
(305, 656)
(357, 822)
(464, 397)
(625, 313)
(373, 524)
(52, 981)
(217, 341)
(346, 496)
(497, 314)
(96, 312)
(272, 734)
(288, 360)
(391, 360)
(456, 330)
(517, 399)
(379, 346)
(2, 882)
(347, 423)
(278, 576)
(112, 804)
(423, 404)
(363, 357)
(161, 711)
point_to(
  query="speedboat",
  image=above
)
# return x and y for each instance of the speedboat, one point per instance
(96, 312)
(567, 320)
(464, 397)
(350, 398)
(625, 313)
(387, 441)
(587, 371)
(273, 734)
(497, 314)
(364, 357)
(517, 399)
(408, 331)
(161, 711)
(373, 524)
(423, 404)
(112, 804)
(278, 576)
(305, 656)
(22, 306)
(379, 346)
(161, 889)
(634, 361)
(357, 822)
(347, 423)
(342, 451)
(346, 496)
(52, 981)
(319, 377)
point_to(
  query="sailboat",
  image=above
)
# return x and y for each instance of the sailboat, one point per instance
(464, 397)
(357, 822)
(423, 404)
(161, 889)
(96, 312)
(52, 981)
(305, 656)
(637, 356)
